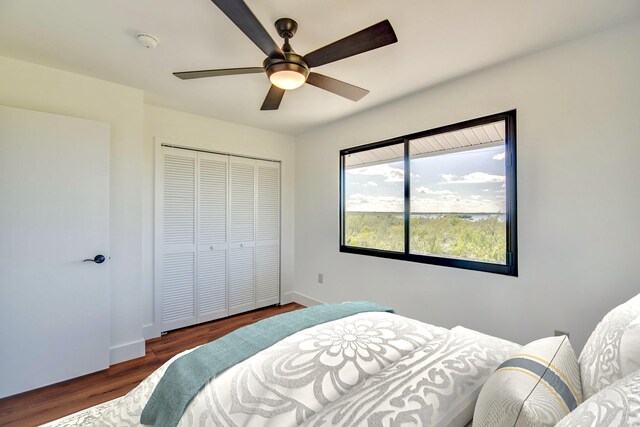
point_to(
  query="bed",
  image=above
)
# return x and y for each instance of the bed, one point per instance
(375, 368)
(372, 368)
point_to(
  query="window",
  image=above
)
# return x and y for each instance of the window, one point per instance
(445, 196)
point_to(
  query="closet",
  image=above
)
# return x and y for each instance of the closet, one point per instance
(217, 236)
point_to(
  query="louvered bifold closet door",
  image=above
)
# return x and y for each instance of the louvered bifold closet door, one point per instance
(268, 234)
(178, 238)
(211, 295)
(242, 220)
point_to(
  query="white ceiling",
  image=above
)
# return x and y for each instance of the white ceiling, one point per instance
(438, 40)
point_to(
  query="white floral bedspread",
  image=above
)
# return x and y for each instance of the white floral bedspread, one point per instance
(370, 369)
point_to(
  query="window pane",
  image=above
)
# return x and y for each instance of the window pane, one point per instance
(374, 198)
(458, 190)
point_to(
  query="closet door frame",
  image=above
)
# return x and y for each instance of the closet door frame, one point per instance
(155, 329)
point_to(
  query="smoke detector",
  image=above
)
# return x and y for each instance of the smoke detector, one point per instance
(147, 40)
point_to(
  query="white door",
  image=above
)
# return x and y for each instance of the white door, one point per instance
(54, 207)
(211, 295)
(176, 245)
(268, 234)
(242, 223)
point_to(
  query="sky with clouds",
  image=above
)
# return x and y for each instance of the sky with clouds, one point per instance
(469, 181)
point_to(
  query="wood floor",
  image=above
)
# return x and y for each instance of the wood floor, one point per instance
(52, 402)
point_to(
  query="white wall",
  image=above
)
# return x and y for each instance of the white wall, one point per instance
(34, 87)
(133, 128)
(216, 135)
(578, 130)
(578, 150)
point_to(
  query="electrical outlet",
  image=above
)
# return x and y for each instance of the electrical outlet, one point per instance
(320, 278)
(558, 333)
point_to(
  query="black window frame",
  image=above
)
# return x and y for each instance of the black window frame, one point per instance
(510, 268)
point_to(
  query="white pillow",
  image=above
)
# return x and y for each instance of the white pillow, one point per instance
(536, 387)
(616, 405)
(613, 349)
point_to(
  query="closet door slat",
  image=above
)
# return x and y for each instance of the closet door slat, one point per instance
(212, 236)
(242, 207)
(242, 224)
(241, 280)
(178, 243)
(268, 234)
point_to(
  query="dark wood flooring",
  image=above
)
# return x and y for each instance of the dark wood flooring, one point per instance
(52, 402)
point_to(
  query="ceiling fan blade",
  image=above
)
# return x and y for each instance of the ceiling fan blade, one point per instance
(378, 35)
(240, 14)
(338, 87)
(187, 75)
(272, 101)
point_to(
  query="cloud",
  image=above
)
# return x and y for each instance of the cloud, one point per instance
(472, 178)
(428, 190)
(476, 197)
(499, 156)
(390, 173)
(503, 186)
(371, 184)
(485, 190)
(363, 203)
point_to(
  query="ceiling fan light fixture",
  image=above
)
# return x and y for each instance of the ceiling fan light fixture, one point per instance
(287, 79)
(287, 75)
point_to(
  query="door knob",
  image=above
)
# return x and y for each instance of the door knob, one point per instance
(98, 259)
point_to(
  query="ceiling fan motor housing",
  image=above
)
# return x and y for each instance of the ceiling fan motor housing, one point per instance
(292, 62)
(286, 28)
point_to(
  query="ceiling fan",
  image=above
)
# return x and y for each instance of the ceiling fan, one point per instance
(286, 69)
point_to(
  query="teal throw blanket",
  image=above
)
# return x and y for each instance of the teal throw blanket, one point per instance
(185, 377)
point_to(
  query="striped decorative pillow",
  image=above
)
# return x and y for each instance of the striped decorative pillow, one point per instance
(536, 387)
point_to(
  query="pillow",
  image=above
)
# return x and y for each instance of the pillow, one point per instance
(613, 349)
(616, 405)
(536, 387)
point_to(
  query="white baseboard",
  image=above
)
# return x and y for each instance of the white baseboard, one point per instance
(286, 298)
(303, 299)
(150, 331)
(124, 352)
